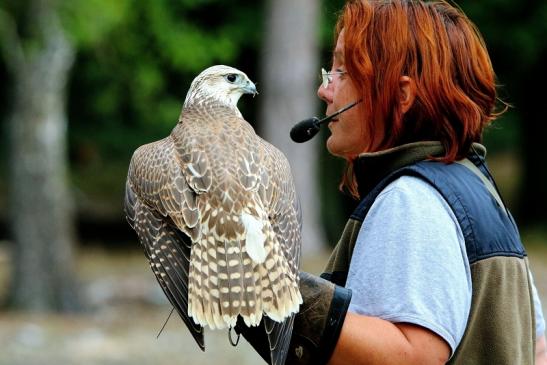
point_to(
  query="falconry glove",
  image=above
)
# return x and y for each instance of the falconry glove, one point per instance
(317, 325)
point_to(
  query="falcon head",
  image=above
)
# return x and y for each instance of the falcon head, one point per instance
(221, 83)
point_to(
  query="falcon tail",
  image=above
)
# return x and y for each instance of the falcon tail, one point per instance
(247, 276)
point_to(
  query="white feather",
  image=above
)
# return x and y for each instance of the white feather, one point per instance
(254, 238)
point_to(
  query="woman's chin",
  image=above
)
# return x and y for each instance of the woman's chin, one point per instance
(333, 147)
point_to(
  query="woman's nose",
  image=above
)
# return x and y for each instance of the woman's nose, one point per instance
(325, 93)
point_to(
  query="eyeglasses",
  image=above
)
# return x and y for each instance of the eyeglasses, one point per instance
(327, 77)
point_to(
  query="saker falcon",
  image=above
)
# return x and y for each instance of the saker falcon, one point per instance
(215, 209)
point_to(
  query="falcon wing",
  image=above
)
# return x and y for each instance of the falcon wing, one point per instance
(286, 220)
(287, 216)
(162, 181)
(162, 210)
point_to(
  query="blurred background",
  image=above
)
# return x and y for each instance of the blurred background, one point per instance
(83, 83)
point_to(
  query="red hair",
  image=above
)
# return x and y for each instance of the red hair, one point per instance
(441, 50)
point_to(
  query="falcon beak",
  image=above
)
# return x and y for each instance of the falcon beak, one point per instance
(250, 88)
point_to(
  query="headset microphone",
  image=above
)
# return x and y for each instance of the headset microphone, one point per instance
(305, 130)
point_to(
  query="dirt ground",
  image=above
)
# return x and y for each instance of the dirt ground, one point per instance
(126, 311)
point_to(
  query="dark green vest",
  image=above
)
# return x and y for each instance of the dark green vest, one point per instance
(501, 325)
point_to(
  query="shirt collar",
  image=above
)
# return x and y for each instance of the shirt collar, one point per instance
(371, 167)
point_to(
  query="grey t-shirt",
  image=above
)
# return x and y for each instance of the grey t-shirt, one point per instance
(410, 263)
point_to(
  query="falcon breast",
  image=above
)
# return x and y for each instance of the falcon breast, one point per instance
(215, 209)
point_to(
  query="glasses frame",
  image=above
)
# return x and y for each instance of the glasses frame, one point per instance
(326, 76)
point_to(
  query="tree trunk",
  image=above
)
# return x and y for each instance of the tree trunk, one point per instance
(40, 207)
(289, 83)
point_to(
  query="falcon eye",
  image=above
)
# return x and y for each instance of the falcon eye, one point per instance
(231, 78)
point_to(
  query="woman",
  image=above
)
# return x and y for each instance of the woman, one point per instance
(431, 255)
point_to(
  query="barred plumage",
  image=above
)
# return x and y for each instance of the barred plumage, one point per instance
(215, 209)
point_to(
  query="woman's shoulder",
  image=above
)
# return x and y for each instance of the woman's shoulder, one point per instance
(412, 189)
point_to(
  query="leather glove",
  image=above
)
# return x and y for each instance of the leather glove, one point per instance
(317, 325)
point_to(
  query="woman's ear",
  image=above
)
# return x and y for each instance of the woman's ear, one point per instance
(407, 92)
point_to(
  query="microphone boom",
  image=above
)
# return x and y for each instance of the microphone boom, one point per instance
(305, 130)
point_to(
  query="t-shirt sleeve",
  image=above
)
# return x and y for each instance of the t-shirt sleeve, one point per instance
(409, 263)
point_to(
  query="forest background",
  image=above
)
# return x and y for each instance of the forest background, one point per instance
(84, 83)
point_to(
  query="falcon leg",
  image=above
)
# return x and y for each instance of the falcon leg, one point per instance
(257, 338)
(232, 342)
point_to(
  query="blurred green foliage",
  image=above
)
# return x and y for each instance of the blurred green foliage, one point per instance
(131, 82)
(135, 62)
(136, 59)
(128, 85)
(89, 21)
(515, 34)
